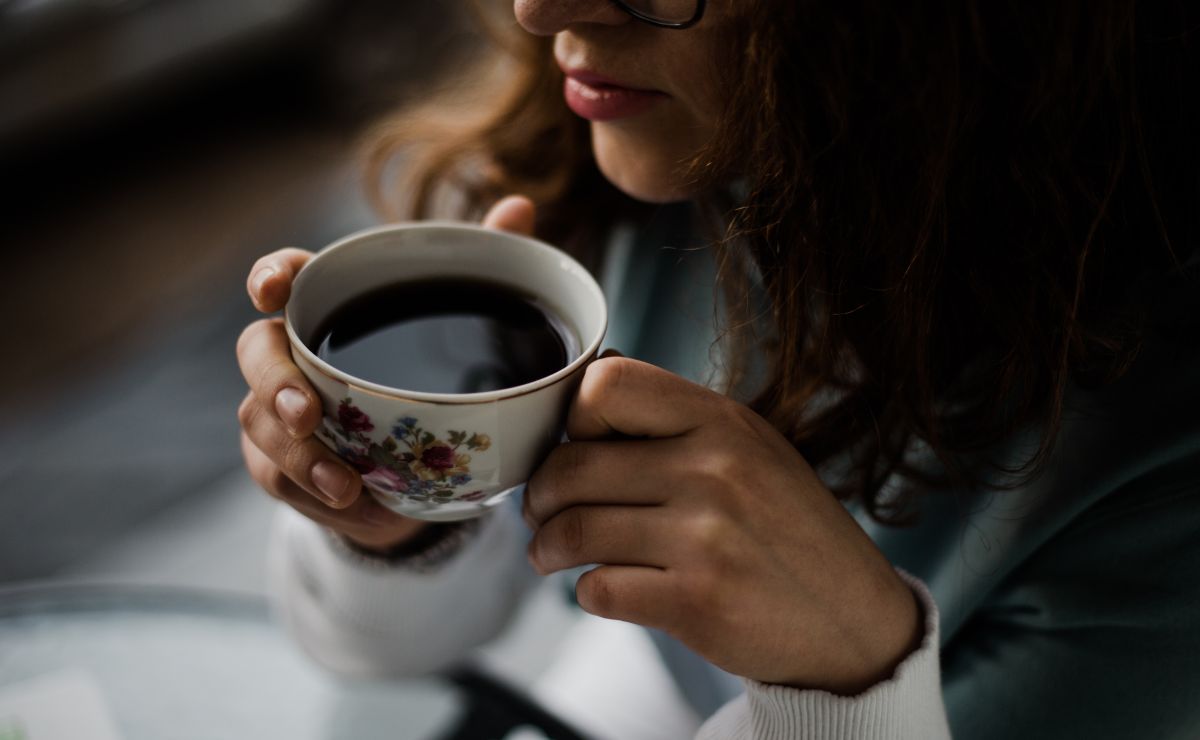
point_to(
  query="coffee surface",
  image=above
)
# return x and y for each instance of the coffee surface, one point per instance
(445, 336)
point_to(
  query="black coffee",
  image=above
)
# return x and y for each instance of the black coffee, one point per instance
(445, 335)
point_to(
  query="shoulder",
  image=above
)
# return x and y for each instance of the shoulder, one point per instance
(1071, 604)
(1126, 460)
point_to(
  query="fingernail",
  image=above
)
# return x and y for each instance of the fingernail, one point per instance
(332, 482)
(260, 278)
(291, 404)
(531, 557)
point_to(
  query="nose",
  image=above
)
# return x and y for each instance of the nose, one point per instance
(548, 17)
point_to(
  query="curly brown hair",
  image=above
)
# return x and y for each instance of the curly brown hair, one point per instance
(948, 207)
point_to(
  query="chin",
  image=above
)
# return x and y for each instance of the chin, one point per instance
(642, 172)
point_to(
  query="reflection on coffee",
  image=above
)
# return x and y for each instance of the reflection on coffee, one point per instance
(445, 335)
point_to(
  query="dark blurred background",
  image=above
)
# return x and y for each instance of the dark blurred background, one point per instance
(150, 150)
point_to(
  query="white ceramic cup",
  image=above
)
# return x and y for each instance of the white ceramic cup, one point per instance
(440, 456)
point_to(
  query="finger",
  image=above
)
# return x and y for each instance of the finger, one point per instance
(513, 213)
(265, 358)
(365, 520)
(270, 280)
(612, 535)
(608, 472)
(610, 352)
(630, 593)
(304, 460)
(620, 396)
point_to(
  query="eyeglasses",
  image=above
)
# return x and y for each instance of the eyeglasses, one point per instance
(665, 13)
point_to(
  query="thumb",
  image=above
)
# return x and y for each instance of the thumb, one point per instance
(512, 213)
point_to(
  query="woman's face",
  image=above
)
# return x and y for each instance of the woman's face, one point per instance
(650, 93)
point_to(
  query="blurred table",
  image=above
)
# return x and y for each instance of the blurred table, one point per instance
(180, 663)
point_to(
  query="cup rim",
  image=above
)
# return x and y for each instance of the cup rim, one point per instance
(587, 352)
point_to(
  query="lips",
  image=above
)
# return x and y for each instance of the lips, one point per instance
(599, 98)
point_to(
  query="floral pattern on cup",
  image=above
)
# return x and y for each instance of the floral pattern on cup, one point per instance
(411, 462)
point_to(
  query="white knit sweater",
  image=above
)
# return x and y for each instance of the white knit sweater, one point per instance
(367, 618)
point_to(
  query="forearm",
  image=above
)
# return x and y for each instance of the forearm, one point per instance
(361, 616)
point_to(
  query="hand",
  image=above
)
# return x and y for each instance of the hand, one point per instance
(709, 525)
(281, 411)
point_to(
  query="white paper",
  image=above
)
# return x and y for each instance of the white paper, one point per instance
(66, 705)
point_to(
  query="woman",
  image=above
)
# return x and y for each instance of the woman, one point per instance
(958, 256)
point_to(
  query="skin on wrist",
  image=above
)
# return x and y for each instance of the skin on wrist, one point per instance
(383, 542)
(899, 633)
(904, 636)
(426, 551)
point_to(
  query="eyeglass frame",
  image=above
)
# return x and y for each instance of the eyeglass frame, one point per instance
(679, 26)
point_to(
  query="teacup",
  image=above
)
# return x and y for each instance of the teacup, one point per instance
(442, 456)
